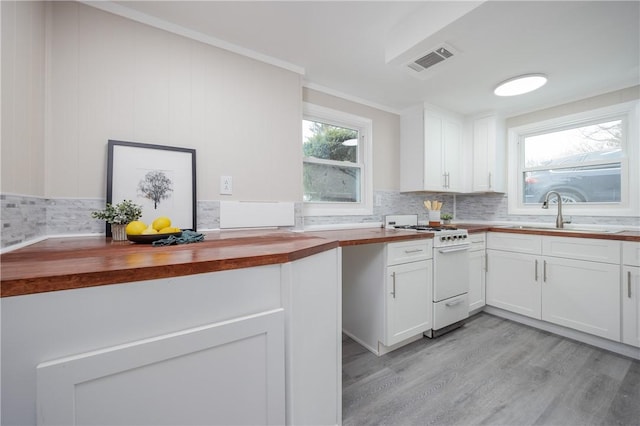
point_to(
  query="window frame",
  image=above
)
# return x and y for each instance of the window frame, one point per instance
(629, 203)
(364, 126)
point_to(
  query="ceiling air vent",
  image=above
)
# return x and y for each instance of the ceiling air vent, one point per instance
(430, 59)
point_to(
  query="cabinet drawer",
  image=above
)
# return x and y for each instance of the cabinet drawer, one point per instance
(595, 250)
(449, 311)
(477, 241)
(631, 253)
(409, 251)
(521, 243)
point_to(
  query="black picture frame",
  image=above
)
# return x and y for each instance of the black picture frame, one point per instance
(160, 178)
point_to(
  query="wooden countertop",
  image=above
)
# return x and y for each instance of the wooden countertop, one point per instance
(70, 263)
(618, 236)
(354, 237)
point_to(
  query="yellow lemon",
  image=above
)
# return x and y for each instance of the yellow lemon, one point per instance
(149, 230)
(161, 223)
(168, 230)
(135, 228)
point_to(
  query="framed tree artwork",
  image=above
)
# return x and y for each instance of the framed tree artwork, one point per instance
(162, 179)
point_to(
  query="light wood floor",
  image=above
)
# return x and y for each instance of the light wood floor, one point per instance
(490, 372)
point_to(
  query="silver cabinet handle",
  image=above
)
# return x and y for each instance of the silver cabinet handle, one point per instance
(536, 269)
(629, 284)
(455, 302)
(486, 262)
(393, 293)
(461, 247)
(489, 180)
(544, 271)
(413, 251)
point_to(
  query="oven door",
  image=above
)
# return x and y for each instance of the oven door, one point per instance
(450, 271)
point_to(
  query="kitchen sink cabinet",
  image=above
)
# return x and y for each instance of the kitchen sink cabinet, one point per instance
(570, 282)
(477, 268)
(488, 148)
(513, 282)
(631, 293)
(386, 293)
(431, 151)
(582, 295)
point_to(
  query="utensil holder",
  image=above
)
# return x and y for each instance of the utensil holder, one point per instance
(434, 217)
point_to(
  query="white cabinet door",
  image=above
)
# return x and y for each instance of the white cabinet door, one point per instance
(476, 279)
(434, 174)
(631, 305)
(230, 372)
(408, 307)
(488, 155)
(412, 158)
(513, 282)
(443, 149)
(582, 295)
(452, 155)
(430, 151)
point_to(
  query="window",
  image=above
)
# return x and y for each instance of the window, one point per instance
(589, 158)
(336, 162)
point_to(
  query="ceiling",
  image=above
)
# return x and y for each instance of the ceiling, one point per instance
(359, 49)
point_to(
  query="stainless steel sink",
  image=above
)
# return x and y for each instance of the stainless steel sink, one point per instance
(545, 228)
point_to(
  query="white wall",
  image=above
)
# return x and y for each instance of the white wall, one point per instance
(23, 85)
(112, 78)
(595, 102)
(386, 136)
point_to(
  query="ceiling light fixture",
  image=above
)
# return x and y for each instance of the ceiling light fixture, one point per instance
(521, 84)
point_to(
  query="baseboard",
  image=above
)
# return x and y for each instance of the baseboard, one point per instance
(599, 342)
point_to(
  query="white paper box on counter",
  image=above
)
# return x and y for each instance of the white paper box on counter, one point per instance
(256, 214)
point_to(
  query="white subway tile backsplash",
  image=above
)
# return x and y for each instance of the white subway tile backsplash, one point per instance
(26, 218)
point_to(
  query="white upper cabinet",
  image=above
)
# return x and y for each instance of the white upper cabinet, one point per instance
(430, 151)
(489, 153)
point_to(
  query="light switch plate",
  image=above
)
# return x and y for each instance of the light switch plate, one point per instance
(226, 185)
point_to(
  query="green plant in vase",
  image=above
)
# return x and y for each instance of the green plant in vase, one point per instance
(118, 216)
(446, 218)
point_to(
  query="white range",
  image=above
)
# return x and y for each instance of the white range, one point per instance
(450, 271)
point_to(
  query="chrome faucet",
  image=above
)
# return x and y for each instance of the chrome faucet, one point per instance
(545, 205)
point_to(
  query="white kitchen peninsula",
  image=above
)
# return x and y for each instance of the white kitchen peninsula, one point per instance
(251, 335)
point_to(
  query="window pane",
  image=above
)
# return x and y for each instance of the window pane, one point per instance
(329, 142)
(590, 184)
(596, 142)
(331, 183)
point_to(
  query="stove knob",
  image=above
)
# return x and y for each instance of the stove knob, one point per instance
(449, 238)
(455, 237)
(464, 236)
(442, 238)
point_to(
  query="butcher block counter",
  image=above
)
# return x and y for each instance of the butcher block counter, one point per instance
(68, 263)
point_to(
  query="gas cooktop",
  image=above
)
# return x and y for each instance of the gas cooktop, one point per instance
(444, 235)
(425, 228)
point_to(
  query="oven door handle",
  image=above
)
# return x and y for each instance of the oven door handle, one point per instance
(454, 249)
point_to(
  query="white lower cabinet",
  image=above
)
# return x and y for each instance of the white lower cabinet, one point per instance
(208, 374)
(513, 282)
(555, 279)
(408, 302)
(477, 267)
(631, 293)
(582, 295)
(387, 293)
